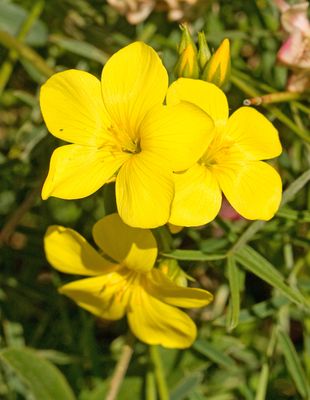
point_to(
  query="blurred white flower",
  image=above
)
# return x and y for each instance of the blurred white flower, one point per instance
(138, 10)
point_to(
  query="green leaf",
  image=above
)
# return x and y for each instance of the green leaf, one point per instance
(294, 365)
(234, 303)
(80, 48)
(259, 266)
(42, 378)
(186, 386)
(193, 255)
(210, 351)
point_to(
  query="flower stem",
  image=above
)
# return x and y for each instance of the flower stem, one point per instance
(8, 64)
(121, 368)
(26, 52)
(159, 373)
(164, 238)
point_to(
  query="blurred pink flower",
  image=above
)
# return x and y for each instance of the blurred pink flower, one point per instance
(295, 51)
(228, 213)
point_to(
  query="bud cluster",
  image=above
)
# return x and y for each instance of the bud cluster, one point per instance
(199, 63)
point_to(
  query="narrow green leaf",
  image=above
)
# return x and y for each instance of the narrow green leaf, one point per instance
(43, 379)
(210, 351)
(193, 255)
(186, 386)
(294, 365)
(80, 48)
(295, 187)
(234, 303)
(258, 265)
(288, 195)
(261, 310)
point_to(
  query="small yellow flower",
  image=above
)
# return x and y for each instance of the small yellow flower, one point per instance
(231, 164)
(126, 285)
(121, 130)
(217, 70)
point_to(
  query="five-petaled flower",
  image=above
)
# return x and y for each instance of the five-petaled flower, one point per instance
(125, 282)
(120, 129)
(231, 163)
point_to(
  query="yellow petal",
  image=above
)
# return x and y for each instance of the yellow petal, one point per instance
(253, 134)
(78, 171)
(197, 198)
(144, 192)
(254, 188)
(133, 81)
(179, 134)
(67, 251)
(72, 107)
(155, 322)
(134, 247)
(158, 285)
(203, 94)
(105, 296)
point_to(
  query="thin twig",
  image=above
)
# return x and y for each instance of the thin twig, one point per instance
(11, 224)
(278, 97)
(121, 369)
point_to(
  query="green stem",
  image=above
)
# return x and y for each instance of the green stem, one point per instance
(159, 373)
(164, 239)
(8, 65)
(26, 52)
(150, 385)
(250, 91)
(121, 368)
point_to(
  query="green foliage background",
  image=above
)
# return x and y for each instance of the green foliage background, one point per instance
(254, 340)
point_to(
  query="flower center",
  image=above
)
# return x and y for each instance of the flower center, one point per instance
(124, 141)
(217, 152)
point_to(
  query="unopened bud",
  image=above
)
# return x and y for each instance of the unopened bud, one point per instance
(174, 272)
(217, 70)
(187, 65)
(204, 53)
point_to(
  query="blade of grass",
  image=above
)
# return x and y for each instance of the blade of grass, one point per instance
(259, 266)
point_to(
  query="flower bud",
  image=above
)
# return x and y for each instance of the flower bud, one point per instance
(187, 65)
(174, 272)
(217, 70)
(204, 53)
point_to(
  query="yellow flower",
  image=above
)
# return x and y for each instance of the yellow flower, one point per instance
(127, 285)
(120, 128)
(231, 164)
